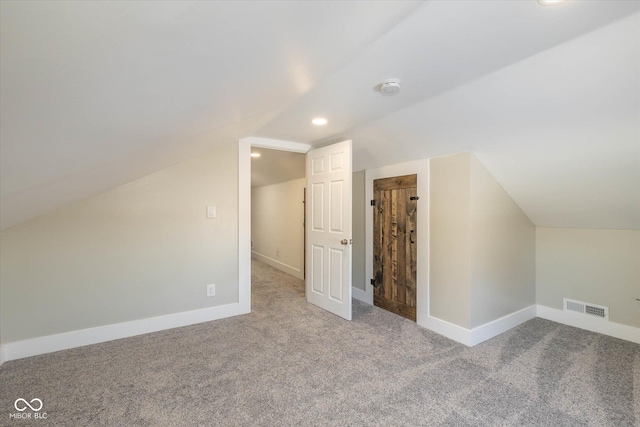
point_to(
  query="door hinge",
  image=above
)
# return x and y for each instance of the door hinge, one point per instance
(373, 202)
(373, 282)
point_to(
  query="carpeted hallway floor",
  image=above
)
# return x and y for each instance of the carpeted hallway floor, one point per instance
(289, 363)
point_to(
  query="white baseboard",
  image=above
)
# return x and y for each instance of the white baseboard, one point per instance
(79, 338)
(295, 272)
(617, 330)
(471, 337)
(496, 327)
(449, 330)
(361, 295)
(67, 340)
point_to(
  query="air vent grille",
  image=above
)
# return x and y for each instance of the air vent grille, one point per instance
(595, 311)
(575, 306)
(586, 308)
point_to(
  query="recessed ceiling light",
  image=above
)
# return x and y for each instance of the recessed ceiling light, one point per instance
(255, 154)
(319, 121)
(549, 2)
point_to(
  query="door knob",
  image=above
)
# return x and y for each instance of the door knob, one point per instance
(344, 241)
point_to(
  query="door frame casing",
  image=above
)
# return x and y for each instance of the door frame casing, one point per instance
(244, 208)
(421, 169)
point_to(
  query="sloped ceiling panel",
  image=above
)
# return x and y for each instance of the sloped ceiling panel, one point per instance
(560, 130)
(96, 94)
(275, 166)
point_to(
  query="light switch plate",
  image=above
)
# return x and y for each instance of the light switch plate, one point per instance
(211, 211)
(211, 290)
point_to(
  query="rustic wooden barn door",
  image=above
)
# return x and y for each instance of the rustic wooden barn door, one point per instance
(394, 244)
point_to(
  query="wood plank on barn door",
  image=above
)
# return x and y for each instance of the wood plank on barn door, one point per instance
(394, 245)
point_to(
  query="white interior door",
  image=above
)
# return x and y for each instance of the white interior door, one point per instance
(328, 263)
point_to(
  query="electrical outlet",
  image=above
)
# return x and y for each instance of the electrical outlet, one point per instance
(211, 290)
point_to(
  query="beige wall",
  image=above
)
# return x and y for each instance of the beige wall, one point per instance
(482, 246)
(277, 225)
(596, 266)
(502, 250)
(140, 250)
(449, 228)
(358, 232)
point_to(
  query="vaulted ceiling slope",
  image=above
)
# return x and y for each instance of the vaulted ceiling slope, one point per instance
(559, 130)
(96, 94)
(276, 166)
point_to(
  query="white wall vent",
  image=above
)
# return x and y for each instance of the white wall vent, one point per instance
(586, 308)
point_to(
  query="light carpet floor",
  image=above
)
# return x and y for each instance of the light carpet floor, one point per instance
(289, 363)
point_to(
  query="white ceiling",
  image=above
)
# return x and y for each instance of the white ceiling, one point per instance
(559, 130)
(276, 166)
(96, 94)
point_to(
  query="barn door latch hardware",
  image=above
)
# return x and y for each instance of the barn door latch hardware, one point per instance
(373, 282)
(414, 198)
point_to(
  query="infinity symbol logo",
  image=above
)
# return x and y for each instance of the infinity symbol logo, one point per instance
(28, 404)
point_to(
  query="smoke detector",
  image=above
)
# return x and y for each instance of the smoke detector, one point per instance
(389, 87)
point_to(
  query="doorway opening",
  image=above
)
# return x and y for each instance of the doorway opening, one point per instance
(419, 168)
(328, 223)
(278, 183)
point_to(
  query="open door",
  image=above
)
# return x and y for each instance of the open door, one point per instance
(328, 257)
